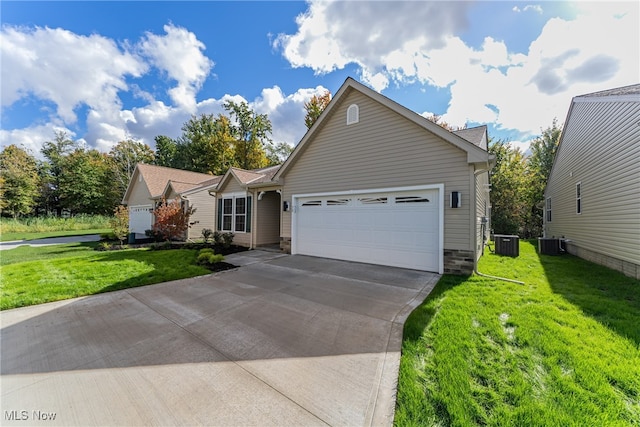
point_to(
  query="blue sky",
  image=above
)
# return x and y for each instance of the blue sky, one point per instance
(106, 71)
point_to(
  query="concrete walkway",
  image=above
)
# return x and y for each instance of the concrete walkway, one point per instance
(282, 340)
(49, 241)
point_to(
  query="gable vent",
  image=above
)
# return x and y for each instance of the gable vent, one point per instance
(353, 114)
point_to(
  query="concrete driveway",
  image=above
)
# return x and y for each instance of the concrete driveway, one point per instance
(283, 340)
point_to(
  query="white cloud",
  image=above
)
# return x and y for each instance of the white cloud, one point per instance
(31, 138)
(72, 71)
(179, 54)
(286, 112)
(330, 35)
(65, 68)
(534, 7)
(409, 42)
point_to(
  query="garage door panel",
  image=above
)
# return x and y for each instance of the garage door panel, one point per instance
(140, 218)
(372, 228)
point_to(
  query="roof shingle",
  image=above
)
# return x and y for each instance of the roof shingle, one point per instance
(157, 177)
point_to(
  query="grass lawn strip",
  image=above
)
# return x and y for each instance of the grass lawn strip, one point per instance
(38, 275)
(563, 349)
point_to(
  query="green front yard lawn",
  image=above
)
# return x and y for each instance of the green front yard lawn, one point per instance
(51, 273)
(561, 350)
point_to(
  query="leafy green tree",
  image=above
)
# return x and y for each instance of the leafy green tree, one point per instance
(278, 153)
(126, 155)
(509, 182)
(166, 149)
(55, 153)
(120, 223)
(86, 183)
(251, 133)
(206, 145)
(19, 181)
(315, 106)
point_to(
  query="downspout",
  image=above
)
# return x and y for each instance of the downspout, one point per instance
(254, 219)
(475, 259)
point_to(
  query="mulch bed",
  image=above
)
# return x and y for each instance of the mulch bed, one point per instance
(221, 266)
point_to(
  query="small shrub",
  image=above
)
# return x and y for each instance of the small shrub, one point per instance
(107, 236)
(217, 238)
(207, 234)
(207, 258)
(172, 219)
(227, 239)
(120, 223)
(104, 246)
(153, 235)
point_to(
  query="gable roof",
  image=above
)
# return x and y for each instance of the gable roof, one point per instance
(620, 94)
(156, 178)
(619, 91)
(475, 154)
(248, 178)
(476, 135)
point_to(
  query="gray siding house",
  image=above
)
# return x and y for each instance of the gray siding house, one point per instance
(374, 182)
(592, 197)
(371, 182)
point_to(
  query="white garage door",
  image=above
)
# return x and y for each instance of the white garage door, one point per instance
(389, 228)
(140, 218)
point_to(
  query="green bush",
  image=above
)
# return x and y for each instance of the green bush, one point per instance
(223, 239)
(207, 234)
(206, 257)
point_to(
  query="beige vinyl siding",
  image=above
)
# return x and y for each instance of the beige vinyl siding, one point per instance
(482, 209)
(268, 218)
(233, 186)
(382, 150)
(172, 195)
(600, 149)
(139, 194)
(205, 214)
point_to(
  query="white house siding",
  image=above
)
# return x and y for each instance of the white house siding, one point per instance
(382, 150)
(204, 215)
(600, 148)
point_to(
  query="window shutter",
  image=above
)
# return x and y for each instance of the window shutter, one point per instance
(248, 224)
(219, 214)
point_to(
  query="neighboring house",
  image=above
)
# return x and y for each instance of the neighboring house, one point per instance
(150, 184)
(372, 182)
(592, 197)
(238, 192)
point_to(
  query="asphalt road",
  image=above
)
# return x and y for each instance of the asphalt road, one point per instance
(49, 241)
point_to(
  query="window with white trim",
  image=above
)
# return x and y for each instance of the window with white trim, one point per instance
(547, 210)
(353, 114)
(234, 214)
(579, 198)
(240, 214)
